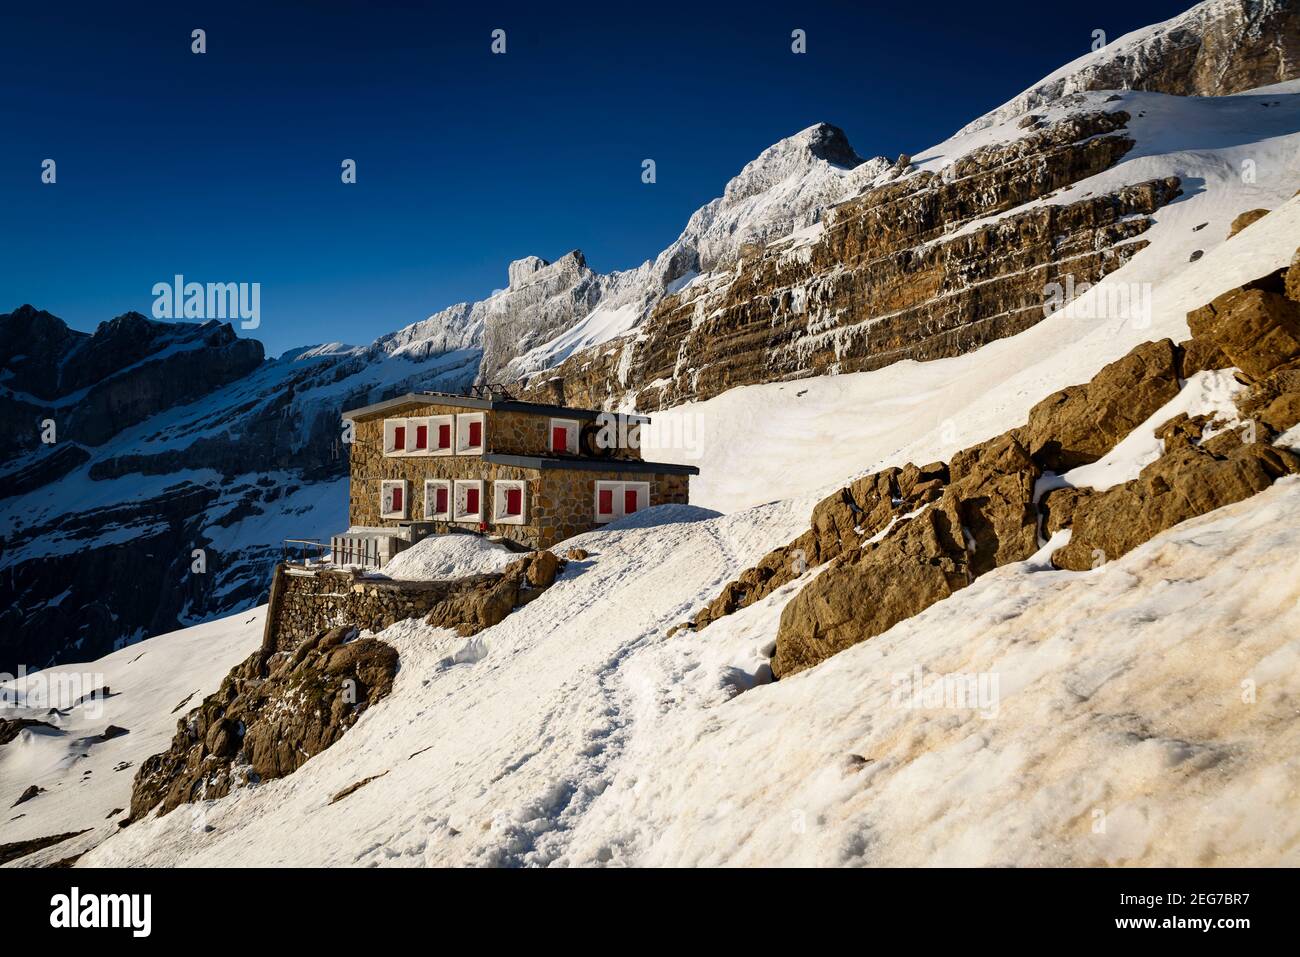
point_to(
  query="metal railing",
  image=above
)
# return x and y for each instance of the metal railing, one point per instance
(301, 551)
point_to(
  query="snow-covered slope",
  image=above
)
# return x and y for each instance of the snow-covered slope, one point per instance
(578, 733)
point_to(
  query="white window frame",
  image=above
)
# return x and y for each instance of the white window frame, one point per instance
(618, 488)
(456, 515)
(430, 497)
(499, 489)
(411, 426)
(574, 428)
(435, 422)
(390, 437)
(384, 486)
(463, 420)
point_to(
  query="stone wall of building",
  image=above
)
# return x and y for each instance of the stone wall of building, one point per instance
(559, 503)
(304, 603)
(567, 504)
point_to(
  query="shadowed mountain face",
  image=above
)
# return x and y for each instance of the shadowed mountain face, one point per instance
(155, 467)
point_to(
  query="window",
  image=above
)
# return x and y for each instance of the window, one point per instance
(437, 499)
(417, 436)
(509, 501)
(468, 500)
(469, 433)
(616, 499)
(442, 434)
(564, 436)
(392, 499)
(394, 436)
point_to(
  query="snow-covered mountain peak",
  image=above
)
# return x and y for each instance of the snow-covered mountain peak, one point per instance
(1216, 48)
(795, 156)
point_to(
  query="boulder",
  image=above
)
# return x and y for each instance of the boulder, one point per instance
(1245, 219)
(991, 499)
(542, 569)
(1080, 424)
(1181, 484)
(860, 596)
(1257, 329)
(1274, 401)
(27, 795)
(1059, 506)
(1197, 355)
(1292, 283)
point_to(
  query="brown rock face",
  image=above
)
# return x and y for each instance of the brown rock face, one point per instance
(1079, 425)
(891, 277)
(1197, 355)
(270, 715)
(1256, 328)
(1292, 282)
(1245, 219)
(984, 518)
(1274, 401)
(1179, 485)
(489, 598)
(858, 598)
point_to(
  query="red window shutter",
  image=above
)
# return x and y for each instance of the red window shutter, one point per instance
(444, 436)
(514, 501)
(471, 501)
(440, 500)
(421, 436)
(399, 437)
(397, 498)
(606, 501)
(475, 434)
(559, 439)
(629, 500)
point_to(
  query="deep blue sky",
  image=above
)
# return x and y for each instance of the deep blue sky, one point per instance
(225, 166)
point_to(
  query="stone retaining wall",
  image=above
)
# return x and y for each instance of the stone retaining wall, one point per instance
(304, 603)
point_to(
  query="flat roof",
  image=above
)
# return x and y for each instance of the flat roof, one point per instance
(590, 465)
(474, 402)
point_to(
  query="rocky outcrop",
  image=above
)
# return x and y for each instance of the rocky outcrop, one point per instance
(1244, 220)
(1079, 425)
(272, 714)
(295, 697)
(1258, 330)
(896, 541)
(10, 728)
(20, 849)
(984, 517)
(923, 266)
(1179, 485)
(487, 599)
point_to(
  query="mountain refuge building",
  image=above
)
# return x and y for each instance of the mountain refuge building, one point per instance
(527, 473)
